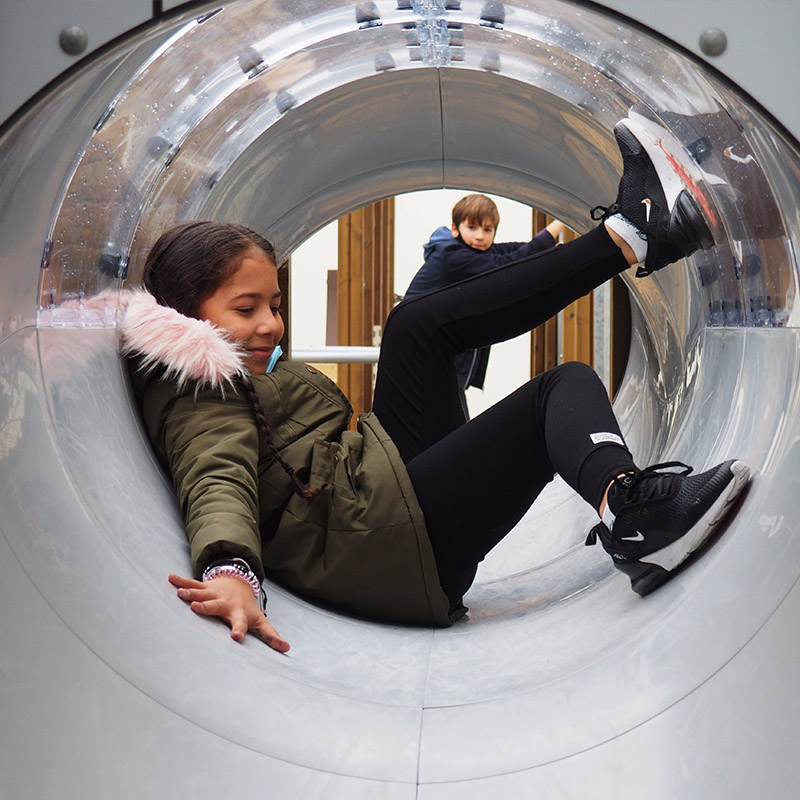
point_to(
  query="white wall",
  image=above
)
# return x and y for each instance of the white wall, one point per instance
(417, 215)
(310, 264)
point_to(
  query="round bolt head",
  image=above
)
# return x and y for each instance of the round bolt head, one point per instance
(713, 42)
(73, 40)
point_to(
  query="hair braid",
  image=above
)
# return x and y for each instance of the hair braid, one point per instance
(260, 415)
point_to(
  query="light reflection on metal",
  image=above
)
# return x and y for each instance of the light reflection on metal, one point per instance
(336, 355)
(432, 33)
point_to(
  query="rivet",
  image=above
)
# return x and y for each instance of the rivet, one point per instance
(383, 62)
(713, 42)
(73, 40)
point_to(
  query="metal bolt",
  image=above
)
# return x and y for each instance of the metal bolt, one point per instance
(73, 40)
(713, 42)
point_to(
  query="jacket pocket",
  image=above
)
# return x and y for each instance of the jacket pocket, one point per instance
(330, 465)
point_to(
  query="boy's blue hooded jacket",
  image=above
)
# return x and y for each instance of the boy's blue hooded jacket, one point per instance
(449, 260)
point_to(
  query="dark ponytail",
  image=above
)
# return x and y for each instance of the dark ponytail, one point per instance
(266, 431)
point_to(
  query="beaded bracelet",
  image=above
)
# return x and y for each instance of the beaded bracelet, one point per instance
(237, 568)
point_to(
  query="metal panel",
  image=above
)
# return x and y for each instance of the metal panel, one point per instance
(759, 46)
(30, 30)
(30, 55)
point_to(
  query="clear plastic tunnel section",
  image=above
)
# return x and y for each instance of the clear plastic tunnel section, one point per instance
(221, 119)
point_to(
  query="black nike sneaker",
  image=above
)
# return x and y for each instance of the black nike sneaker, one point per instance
(656, 518)
(720, 146)
(653, 198)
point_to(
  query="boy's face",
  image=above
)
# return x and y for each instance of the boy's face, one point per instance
(477, 235)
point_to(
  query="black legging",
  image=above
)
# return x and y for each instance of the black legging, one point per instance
(474, 480)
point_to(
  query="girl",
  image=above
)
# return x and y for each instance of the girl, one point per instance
(391, 521)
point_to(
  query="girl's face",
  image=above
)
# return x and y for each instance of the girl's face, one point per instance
(247, 305)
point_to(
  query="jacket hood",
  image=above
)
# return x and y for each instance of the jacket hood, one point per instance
(191, 350)
(441, 236)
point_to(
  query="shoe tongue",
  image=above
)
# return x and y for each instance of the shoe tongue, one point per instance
(644, 485)
(652, 485)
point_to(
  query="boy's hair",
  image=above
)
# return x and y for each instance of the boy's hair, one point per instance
(477, 209)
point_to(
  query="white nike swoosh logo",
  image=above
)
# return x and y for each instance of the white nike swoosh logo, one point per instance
(728, 153)
(647, 204)
(637, 538)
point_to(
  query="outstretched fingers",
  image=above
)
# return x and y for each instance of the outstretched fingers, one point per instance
(211, 607)
(266, 631)
(231, 600)
(238, 623)
(179, 582)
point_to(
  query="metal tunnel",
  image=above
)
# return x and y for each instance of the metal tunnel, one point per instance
(284, 115)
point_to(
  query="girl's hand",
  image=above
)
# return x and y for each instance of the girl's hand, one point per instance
(232, 600)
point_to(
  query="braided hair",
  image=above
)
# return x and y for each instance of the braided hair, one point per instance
(185, 266)
(301, 488)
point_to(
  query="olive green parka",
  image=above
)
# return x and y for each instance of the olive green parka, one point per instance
(359, 546)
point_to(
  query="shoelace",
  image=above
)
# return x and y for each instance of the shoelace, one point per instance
(630, 489)
(641, 486)
(603, 212)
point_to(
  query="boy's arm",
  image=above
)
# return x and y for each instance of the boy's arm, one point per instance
(460, 262)
(543, 240)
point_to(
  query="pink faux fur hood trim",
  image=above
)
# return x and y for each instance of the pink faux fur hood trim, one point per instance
(192, 350)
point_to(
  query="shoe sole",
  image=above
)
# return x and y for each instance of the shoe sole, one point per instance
(684, 210)
(672, 144)
(654, 569)
(687, 216)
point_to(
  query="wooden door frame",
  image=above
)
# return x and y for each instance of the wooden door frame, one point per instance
(365, 291)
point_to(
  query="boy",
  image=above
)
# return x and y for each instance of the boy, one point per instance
(465, 249)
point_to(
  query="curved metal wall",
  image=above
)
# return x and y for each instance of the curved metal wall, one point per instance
(285, 115)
